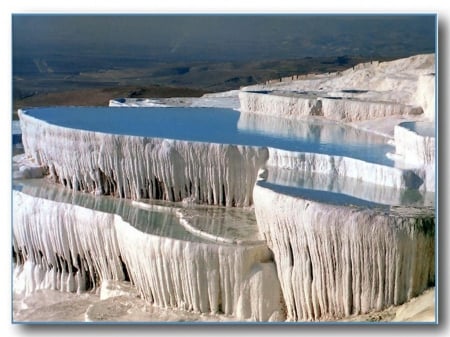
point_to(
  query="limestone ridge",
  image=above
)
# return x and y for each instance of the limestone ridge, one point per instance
(367, 91)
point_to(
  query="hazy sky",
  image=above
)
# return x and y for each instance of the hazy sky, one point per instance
(223, 37)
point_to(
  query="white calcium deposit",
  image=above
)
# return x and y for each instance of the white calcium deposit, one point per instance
(413, 147)
(349, 167)
(226, 99)
(64, 247)
(336, 261)
(72, 248)
(330, 261)
(375, 96)
(25, 168)
(364, 92)
(143, 167)
(344, 185)
(332, 108)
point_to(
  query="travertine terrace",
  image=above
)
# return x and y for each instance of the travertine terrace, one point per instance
(336, 236)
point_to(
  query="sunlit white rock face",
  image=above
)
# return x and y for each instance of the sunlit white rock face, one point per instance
(226, 99)
(425, 95)
(64, 247)
(333, 188)
(335, 261)
(23, 168)
(175, 170)
(141, 167)
(349, 167)
(332, 260)
(202, 277)
(364, 92)
(413, 146)
(332, 108)
(71, 248)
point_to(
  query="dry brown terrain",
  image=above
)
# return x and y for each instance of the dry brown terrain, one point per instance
(156, 80)
(101, 96)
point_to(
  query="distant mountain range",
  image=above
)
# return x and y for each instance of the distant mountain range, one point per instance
(54, 53)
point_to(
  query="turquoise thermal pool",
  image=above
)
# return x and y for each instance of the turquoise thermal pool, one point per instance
(223, 126)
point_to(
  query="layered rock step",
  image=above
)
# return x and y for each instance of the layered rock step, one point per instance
(339, 255)
(72, 241)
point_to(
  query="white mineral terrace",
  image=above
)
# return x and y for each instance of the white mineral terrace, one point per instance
(79, 241)
(364, 92)
(415, 141)
(335, 260)
(314, 201)
(208, 155)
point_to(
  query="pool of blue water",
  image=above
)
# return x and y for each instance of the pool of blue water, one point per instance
(158, 218)
(219, 125)
(160, 223)
(341, 190)
(426, 129)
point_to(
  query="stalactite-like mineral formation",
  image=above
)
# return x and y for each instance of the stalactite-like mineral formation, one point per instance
(144, 167)
(321, 260)
(72, 248)
(336, 261)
